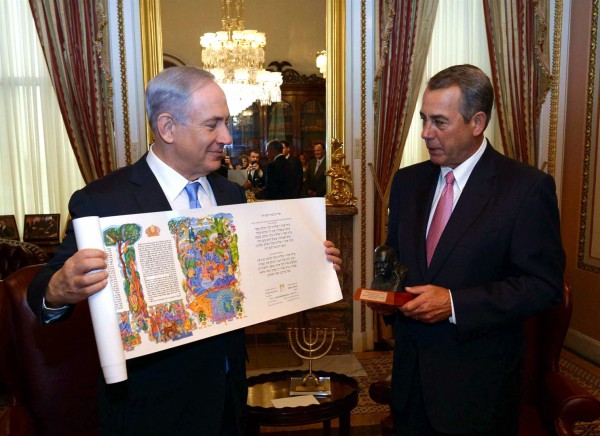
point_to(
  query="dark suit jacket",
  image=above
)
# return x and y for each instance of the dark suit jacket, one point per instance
(501, 256)
(297, 175)
(256, 180)
(278, 180)
(180, 388)
(316, 182)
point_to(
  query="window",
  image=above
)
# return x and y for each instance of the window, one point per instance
(38, 170)
(458, 38)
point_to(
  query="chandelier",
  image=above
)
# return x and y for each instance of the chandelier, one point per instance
(236, 58)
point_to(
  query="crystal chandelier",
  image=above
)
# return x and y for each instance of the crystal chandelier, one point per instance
(236, 58)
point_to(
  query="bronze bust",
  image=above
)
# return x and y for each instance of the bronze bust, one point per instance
(389, 275)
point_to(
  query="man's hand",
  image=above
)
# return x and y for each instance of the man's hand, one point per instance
(72, 283)
(431, 304)
(333, 255)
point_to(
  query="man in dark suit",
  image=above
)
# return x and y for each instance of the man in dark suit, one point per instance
(499, 260)
(256, 177)
(278, 178)
(198, 388)
(296, 170)
(316, 185)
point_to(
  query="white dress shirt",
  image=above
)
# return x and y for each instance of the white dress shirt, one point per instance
(173, 184)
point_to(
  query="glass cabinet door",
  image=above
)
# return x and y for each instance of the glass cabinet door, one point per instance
(245, 131)
(312, 127)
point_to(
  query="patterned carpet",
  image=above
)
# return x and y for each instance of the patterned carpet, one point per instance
(376, 369)
(379, 368)
(590, 383)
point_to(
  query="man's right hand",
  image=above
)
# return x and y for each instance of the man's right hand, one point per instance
(72, 284)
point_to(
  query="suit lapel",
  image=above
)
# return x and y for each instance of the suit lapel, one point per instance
(150, 196)
(425, 192)
(473, 199)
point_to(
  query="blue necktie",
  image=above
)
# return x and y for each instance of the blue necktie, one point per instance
(191, 189)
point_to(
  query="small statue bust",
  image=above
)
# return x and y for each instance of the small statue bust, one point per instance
(389, 275)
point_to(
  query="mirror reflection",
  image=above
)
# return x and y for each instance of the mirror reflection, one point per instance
(294, 33)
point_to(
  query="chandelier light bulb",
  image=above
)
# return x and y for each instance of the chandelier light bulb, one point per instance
(322, 62)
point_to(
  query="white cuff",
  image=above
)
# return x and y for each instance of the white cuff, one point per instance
(452, 319)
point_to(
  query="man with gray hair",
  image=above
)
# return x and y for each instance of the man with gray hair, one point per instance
(198, 388)
(480, 236)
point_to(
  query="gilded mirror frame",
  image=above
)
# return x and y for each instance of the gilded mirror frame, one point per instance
(335, 35)
(588, 256)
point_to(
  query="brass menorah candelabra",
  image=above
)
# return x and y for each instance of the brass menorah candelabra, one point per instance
(306, 347)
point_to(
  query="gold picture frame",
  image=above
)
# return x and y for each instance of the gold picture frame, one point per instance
(8, 227)
(42, 228)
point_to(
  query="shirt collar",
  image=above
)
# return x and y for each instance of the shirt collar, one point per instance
(464, 170)
(171, 182)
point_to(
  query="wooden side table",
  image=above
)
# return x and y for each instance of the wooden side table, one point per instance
(266, 387)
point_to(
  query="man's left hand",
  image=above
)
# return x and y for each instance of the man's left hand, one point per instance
(431, 304)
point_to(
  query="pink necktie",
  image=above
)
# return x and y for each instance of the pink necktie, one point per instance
(440, 216)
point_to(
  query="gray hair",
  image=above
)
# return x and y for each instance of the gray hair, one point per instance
(477, 93)
(170, 92)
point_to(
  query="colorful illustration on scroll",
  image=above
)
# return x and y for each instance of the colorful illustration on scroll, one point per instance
(208, 255)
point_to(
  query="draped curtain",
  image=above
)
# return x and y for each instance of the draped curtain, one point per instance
(38, 171)
(458, 37)
(517, 33)
(72, 36)
(405, 32)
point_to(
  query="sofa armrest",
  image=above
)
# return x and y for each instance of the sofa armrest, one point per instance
(568, 403)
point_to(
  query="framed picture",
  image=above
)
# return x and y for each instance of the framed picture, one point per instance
(8, 227)
(42, 228)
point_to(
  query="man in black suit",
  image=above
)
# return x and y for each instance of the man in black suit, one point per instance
(198, 388)
(278, 178)
(296, 170)
(316, 185)
(256, 177)
(499, 260)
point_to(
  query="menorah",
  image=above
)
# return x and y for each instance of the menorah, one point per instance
(306, 347)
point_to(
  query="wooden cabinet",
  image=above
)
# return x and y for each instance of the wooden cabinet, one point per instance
(299, 118)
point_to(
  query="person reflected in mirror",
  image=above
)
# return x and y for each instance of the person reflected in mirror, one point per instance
(295, 168)
(199, 387)
(480, 234)
(279, 182)
(244, 162)
(227, 162)
(316, 185)
(256, 181)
